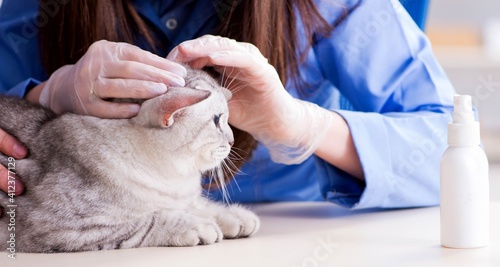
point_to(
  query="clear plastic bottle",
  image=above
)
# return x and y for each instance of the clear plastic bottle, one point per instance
(464, 182)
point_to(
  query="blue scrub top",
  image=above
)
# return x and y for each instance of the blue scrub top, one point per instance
(376, 69)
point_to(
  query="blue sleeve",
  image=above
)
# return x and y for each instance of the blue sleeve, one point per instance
(20, 65)
(383, 64)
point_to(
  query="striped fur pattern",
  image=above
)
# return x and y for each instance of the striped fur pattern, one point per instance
(95, 184)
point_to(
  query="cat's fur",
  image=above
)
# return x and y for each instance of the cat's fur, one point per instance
(96, 184)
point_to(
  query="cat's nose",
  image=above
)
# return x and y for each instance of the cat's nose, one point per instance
(231, 143)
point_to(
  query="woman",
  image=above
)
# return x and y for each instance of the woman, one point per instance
(361, 120)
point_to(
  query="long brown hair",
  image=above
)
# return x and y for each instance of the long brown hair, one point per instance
(270, 25)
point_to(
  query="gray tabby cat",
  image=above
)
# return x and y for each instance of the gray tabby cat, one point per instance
(96, 184)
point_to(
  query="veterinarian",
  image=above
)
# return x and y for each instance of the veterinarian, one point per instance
(345, 98)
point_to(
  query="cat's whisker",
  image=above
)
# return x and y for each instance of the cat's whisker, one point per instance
(210, 176)
(225, 78)
(226, 169)
(235, 81)
(236, 149)
(229, 169)
(237, 90)
(230, 164)
(232, 168)
(230, 73)
(223, 82)
(234, 180)
(222, 185)
(234, 157)
(238, 87)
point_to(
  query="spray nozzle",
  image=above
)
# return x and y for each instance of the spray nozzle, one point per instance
(462, 111)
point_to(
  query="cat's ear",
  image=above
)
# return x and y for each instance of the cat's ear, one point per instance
(176, 99)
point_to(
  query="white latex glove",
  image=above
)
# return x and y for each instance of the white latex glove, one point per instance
(292, 129)
(110, 70)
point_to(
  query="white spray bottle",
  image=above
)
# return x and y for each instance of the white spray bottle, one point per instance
(464, 182)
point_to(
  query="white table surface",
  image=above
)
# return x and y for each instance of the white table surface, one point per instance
(309, 234)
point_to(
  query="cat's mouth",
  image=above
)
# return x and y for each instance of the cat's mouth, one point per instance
(221, 152)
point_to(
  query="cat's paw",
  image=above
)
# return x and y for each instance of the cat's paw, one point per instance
(238, 222)
(202, 232)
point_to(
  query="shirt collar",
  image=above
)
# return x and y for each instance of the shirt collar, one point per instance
(194, 18)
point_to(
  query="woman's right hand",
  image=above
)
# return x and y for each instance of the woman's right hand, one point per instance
(109, 70)
(10, 147)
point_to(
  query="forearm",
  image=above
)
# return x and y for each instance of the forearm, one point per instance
(33, 95)
(337, 148)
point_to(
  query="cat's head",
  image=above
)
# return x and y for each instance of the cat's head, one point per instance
(193, 118)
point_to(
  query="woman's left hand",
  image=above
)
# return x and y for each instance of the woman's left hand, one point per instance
(292, 129)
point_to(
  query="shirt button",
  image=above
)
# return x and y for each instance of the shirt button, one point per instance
(171, 24)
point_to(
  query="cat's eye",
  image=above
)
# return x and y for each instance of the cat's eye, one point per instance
(217, 119)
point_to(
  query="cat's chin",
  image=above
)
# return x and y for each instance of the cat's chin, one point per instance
(209, 168)
(213, 158)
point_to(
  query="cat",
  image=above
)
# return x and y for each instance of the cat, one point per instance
(97, 184)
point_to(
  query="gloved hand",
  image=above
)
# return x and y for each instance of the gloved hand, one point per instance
(110, 70)
(292, 129)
